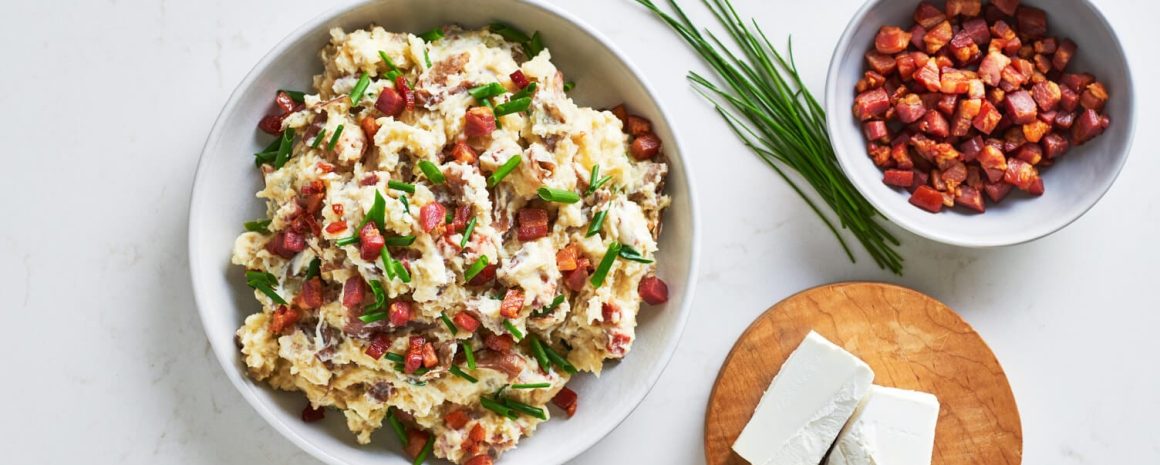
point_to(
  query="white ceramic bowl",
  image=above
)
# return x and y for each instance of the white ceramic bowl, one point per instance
(223, 198)
(1073, 185)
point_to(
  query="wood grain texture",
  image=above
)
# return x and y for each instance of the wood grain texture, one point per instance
(910, 340)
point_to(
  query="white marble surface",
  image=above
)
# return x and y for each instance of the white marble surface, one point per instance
(106, 106)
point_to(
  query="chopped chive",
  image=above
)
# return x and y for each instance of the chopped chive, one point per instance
(385, 254)
(475, 268)
(284, 148)
(372, 317)
(377, 213)
(258, 226)
(380, 296)
(486, 91)
(264, 282)
(422, 457)
(568, 86)
(406, 204)
(526, 92)
(401, 270)
(401, 186)
(605, 264)
(538, 352)
(393, 74)
(386, 59)
(525, 408)
(596, 224)
(314, 269)
(534, 46)
(513, 106)
(400, 241)
(295, 95)
(510, 33)
(498, 392)
(268, 154)
(467, 233)
(360, 87)
(426, 57)
(432, 35)
(558, 195)
(448, 217)
(595, 181)
(497, 407)
(469, 355)
(458, 372)
(431, 171)
(318, 138)
(334, 138)
(447, 322)
(345, 241)
(505, 169)
(557, 360)
(397, 358)
(629, 253)
(515, 332)
(397, 425)
(550, 307)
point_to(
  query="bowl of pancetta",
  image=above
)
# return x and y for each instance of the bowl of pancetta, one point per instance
(981, 123)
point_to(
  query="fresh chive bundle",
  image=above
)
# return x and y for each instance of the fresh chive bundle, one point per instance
(767, 106)
(557, 195)
(265, 283)
(258, 226)
(432, 172)
(505, 169)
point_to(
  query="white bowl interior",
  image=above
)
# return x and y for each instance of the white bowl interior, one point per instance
(223, 198)
(1073, 185)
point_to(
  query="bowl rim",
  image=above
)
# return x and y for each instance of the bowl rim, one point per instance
(920, 228)
(199, 285)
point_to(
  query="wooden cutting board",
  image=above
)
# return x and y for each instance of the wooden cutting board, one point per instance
(910, 340)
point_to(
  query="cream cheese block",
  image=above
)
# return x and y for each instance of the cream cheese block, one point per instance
(809, 400)
(891, 427)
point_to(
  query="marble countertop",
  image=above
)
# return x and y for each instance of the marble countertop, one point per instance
(107, 104)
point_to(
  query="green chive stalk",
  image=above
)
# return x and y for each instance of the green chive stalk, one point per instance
(764, 102)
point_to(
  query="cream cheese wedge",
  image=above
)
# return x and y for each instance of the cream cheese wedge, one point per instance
(891, 427)
(813, 395)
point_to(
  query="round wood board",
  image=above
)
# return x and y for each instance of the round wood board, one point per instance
(910, 340)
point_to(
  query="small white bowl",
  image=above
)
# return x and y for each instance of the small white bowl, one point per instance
(223, 198)
(1073, 185)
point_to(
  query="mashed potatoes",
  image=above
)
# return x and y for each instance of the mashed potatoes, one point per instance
(390, 312)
